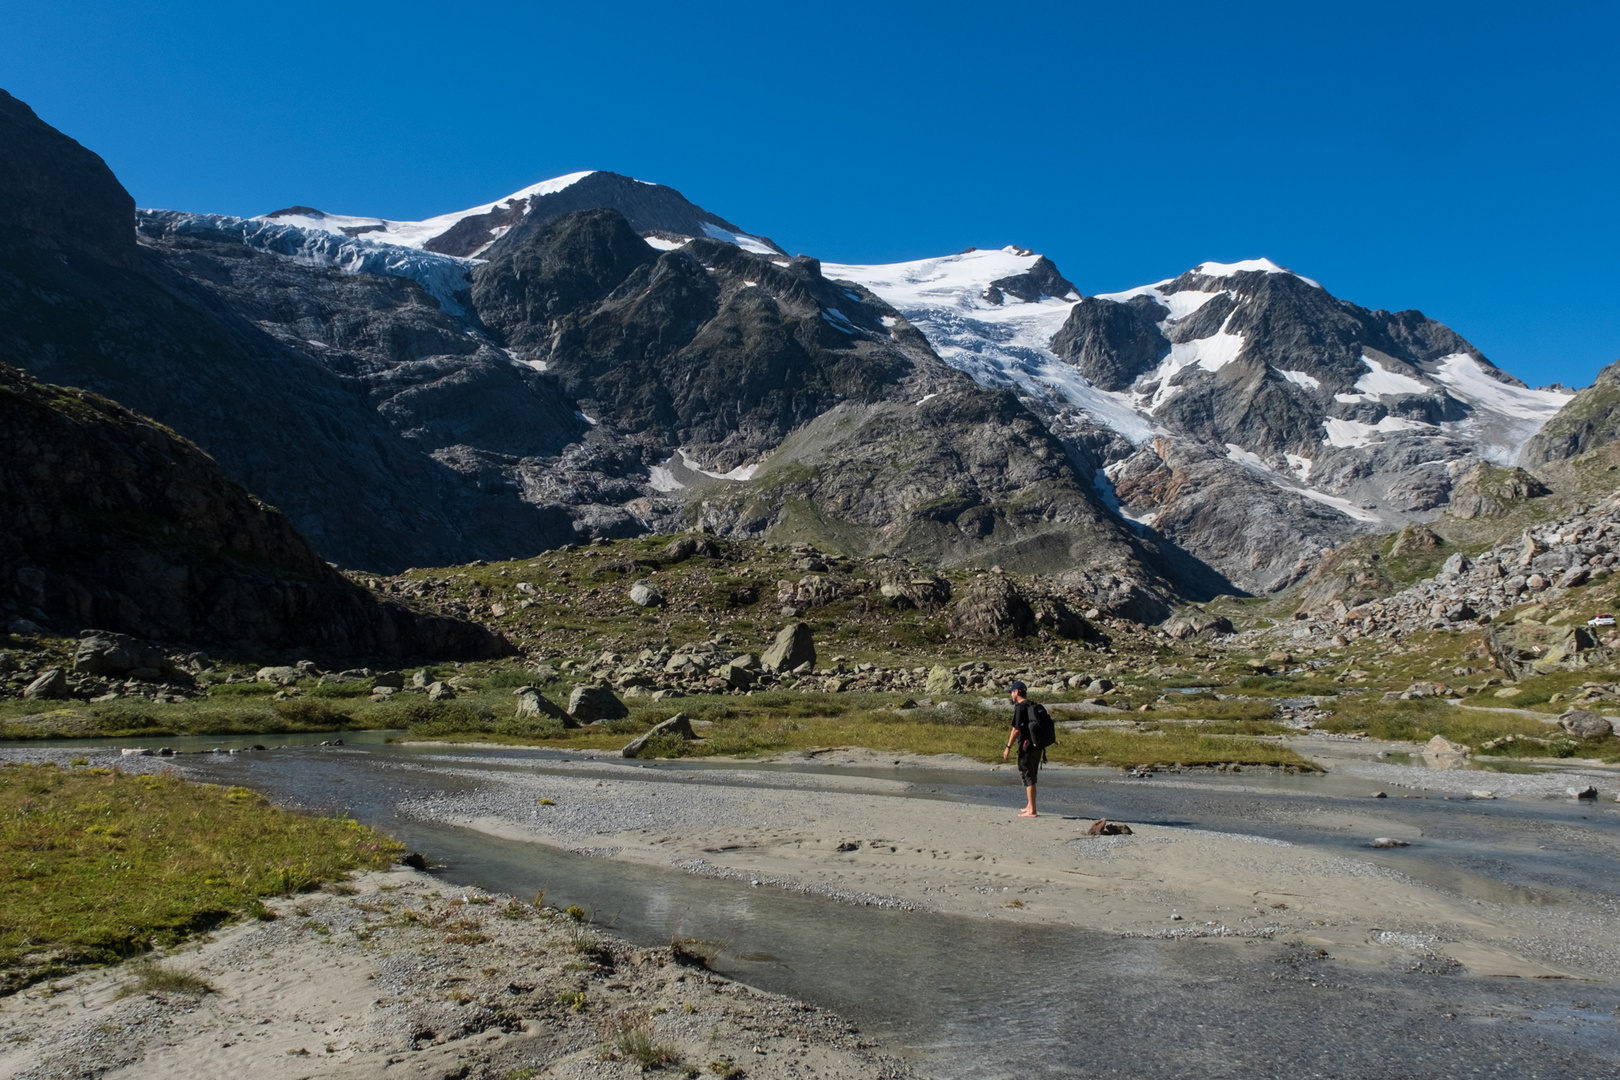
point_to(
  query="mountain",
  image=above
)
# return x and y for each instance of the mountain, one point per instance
(1239, 411)
(1591, 419)
(660, 214)
(111, 521)
(597, 356)
(579, 379)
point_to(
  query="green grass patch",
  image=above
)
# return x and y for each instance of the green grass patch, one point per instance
(96, 866)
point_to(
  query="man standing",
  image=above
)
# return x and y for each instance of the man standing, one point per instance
(1029, 758)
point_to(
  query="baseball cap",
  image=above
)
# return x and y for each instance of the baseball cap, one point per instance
(1018, 686)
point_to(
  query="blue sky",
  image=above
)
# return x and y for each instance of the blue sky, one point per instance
(1456, 158)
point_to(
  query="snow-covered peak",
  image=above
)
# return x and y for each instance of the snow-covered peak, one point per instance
(955, 280)
(416, 234)
(1245, 266)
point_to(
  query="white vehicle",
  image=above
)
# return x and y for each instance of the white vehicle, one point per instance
(1600, 620)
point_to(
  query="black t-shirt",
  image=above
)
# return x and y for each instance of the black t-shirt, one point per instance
(1023, 716)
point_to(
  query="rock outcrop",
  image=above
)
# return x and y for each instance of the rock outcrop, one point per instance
(1591, 419)
(112, 521)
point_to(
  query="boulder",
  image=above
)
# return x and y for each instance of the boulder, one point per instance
(1191, 626)
(679, 724)
(7, 664)
(1526, 647)
(440, 692)
(941, 681)
(591, 702)
(738, 674)
(102, 652)
(1586, 725)
(393, 680)
(531, 702)
(991, 607)
(1575, 575)
(1441, 753)
(793, 647)
(684, 547)
(281, 676)
(52, 684)
(646, 594)
(421, 679)
(23, 626)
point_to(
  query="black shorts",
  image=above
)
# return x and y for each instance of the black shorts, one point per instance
(1029, 763)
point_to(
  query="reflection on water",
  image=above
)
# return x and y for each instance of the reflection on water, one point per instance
(986, 998)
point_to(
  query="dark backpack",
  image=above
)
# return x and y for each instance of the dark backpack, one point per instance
(1042, 731)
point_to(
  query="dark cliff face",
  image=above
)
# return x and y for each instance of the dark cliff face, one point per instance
(1591, 419)
(59, 197)
(114, 522)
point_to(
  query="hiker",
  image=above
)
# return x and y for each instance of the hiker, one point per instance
(1029, 754)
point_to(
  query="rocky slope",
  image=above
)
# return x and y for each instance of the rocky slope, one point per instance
(1591, 419)
(111, 521)
(1238, 410)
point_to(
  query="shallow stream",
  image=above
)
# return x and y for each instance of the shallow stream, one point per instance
(972, 997)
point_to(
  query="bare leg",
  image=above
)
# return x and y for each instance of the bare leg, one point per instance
(1029, 811)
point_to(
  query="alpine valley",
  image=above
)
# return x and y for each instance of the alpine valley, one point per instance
(597, 357)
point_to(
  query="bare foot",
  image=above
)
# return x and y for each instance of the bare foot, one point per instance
(1027, 813)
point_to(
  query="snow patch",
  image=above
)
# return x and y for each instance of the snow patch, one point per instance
(1354, 434)
(742, 240)
(661, 479)
(666, 245)
(1379, 381)
(1344, 506)
(926, 398)
(1248, 458)
(589, 420)
(1301, 466)
(1300, 378)
(1468, 382)
(741, 472)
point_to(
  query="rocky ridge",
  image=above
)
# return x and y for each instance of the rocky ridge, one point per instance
(114, 522)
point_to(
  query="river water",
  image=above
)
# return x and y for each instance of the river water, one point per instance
(984, 998)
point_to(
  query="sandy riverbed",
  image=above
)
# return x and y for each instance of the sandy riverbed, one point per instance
(860, 838)
(394, 981)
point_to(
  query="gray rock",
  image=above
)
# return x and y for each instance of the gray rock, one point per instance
(531, 702)
(440, 692)
(1585, 725)
(941, 681)
(1455, 565)
(23, 626)
(421, 679)
(1192, 626)
(52, 684)
(646, 594)
(393, 680)
(7, 664)
(679, 724)
(281, 676)
(1441, 753)
(1575, 575)
(793, 647)
(101, 652)
(591, 702)
(737, 674)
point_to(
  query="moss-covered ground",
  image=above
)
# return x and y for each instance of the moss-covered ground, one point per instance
(97, 865)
